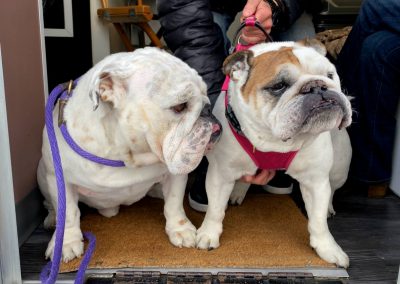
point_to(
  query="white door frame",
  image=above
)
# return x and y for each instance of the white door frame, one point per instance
(10, 270)
(10, 267)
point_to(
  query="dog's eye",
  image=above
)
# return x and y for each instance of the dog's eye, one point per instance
(330, 75)
(179, 108)
(277, 89)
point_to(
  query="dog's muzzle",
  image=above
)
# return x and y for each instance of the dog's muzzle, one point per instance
(322, 102)
(315, 109)
(183, 154)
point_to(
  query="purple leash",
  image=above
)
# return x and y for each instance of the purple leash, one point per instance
(63, 127)
(85, 154)
(50, 271)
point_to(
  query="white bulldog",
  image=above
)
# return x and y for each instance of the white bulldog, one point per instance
(283, 97)
(147, 114)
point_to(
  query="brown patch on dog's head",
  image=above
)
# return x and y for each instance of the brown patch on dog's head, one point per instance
(264, 69)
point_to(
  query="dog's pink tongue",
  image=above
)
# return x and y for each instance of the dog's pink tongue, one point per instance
(216, 133)
(216, 128)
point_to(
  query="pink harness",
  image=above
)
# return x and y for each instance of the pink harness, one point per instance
(263, 160)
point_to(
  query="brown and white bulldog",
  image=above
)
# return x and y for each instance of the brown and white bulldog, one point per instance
(142, 108)
(285, 97)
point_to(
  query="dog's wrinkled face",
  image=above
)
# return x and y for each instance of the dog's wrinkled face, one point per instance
(290, 87)
(158, 100)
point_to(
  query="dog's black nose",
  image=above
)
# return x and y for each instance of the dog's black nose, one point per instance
(206, 114)
(314, 87)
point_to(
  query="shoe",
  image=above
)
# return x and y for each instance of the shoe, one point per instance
(280, 184)
(197, 193)
(198, 203)
(378, 190)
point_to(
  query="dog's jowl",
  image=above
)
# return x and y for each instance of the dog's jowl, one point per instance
(286, 97)
(143, 109)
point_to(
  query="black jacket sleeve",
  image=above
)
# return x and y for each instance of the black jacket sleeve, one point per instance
(294, 9)
(192, 35)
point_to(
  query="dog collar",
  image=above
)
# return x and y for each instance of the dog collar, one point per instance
(263, 160)
(64, 96)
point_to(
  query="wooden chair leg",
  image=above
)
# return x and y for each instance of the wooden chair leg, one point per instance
(141, 37)
(151, 34)
(124, 37)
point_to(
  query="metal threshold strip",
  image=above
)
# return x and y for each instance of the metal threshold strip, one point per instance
(209, 275)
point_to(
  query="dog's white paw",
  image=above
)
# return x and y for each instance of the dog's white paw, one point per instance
(109, 212)
(72, 250)
(72, 245)
(208, 236)
(331, 211)
(238, 193)
(50, 221)
(236, 198)
(207, 241)
(331, 252)
(182, 235)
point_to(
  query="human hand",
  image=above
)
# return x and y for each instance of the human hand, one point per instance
(263, 13)
(261, 178)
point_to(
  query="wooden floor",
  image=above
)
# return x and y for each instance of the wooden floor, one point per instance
(367, 229)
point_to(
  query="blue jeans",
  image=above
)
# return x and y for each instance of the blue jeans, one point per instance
(224, 21)
(369, 66)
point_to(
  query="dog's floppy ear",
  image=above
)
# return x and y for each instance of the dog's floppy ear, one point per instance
(314, 43)
(237, 64)
(107, 88)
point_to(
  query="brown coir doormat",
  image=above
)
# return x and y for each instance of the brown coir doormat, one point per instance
(265, 231)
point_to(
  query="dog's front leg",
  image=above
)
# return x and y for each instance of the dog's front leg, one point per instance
(218, 192)
(179, 229)
(73, 239)
(316, 195)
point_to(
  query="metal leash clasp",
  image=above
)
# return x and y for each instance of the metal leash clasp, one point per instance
(70, 85)
(62, 102)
